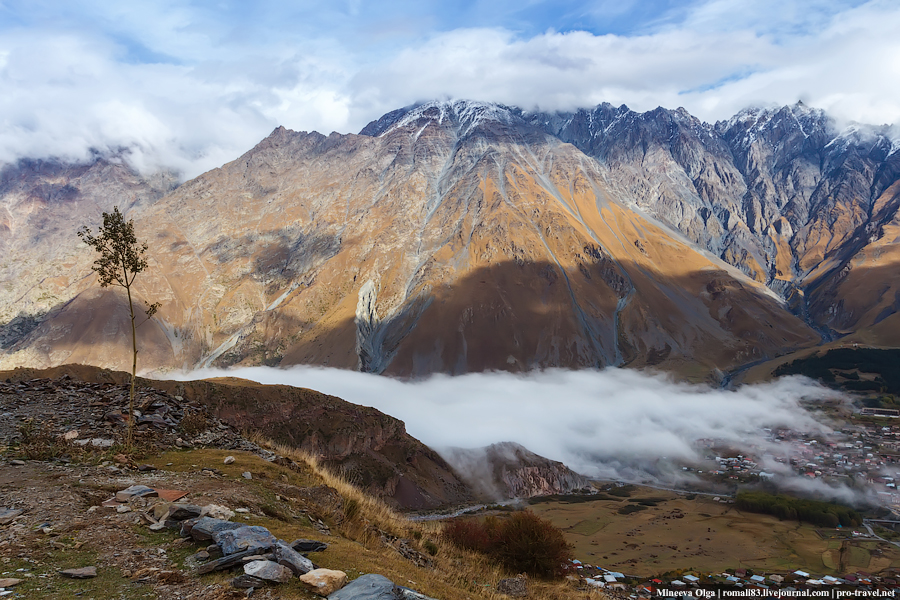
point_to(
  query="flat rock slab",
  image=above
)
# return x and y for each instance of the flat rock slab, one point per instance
(324, 582)
(246, 537)
(308, 546)
(82, 573)
(408, 594)
(293, 560)
(182, 511)
(134, 491)
(375, 587)
(226, 562)
(368, 587)
(268, 570)
(8, 582)
(205, 528)
(8, 515)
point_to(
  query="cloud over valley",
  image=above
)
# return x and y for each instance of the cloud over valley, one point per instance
(616, 424)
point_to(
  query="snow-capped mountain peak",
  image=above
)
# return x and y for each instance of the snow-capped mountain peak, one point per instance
(465, 115)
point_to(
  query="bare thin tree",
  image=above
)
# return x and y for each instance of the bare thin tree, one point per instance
(121, 259)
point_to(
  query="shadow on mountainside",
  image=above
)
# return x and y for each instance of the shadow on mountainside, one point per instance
(517, 315)
(510, 316)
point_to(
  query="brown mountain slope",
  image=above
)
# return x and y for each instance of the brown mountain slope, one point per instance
(458, 240)
(42, 202)
(857, 288)
(369, 448)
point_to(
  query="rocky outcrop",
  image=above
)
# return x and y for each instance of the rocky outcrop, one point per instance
(508, 470)
(369, 448)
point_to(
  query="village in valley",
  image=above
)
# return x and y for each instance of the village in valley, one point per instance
(860, 457)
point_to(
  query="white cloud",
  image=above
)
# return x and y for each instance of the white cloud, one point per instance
(613, 424)
(190, 87)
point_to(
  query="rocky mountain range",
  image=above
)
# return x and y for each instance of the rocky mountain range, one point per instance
(462, 236)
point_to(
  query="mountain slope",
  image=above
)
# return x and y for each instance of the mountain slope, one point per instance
(783, 194)
(464, 236)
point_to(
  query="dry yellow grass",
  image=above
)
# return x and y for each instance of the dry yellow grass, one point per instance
(456, 574)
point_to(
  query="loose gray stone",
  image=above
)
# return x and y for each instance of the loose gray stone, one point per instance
(513, 586)
(266, 556)
(17, 463)
(293, 560)
(134, 491)
(8, 515)
(82, 573)
(247, 475)
(308, 546)
(408, 594)
(248, 537)
(368, 587)
(226, 562)
(180, 512)
(228, 460)
(205, 527)
(268, 570)
(247, 582)
(186, 527)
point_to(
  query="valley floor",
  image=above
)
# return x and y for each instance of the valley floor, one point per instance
(675, 532)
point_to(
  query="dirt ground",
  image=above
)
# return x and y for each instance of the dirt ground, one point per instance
(708, 536)
(64, 526)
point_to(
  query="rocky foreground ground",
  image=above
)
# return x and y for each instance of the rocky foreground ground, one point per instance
(72, 524)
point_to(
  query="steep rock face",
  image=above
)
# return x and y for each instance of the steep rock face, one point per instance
(783, 194)
(769, 191)
(508, 470)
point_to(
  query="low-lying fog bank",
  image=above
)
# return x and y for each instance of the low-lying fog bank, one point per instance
(616, 424)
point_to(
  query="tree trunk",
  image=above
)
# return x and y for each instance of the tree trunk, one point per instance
(129, 435)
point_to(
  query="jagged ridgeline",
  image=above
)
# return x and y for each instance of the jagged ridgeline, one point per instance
(464, 236)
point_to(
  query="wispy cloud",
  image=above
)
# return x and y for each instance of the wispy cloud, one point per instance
(191, 85)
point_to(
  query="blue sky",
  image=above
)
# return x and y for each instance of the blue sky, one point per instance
(191, 85)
